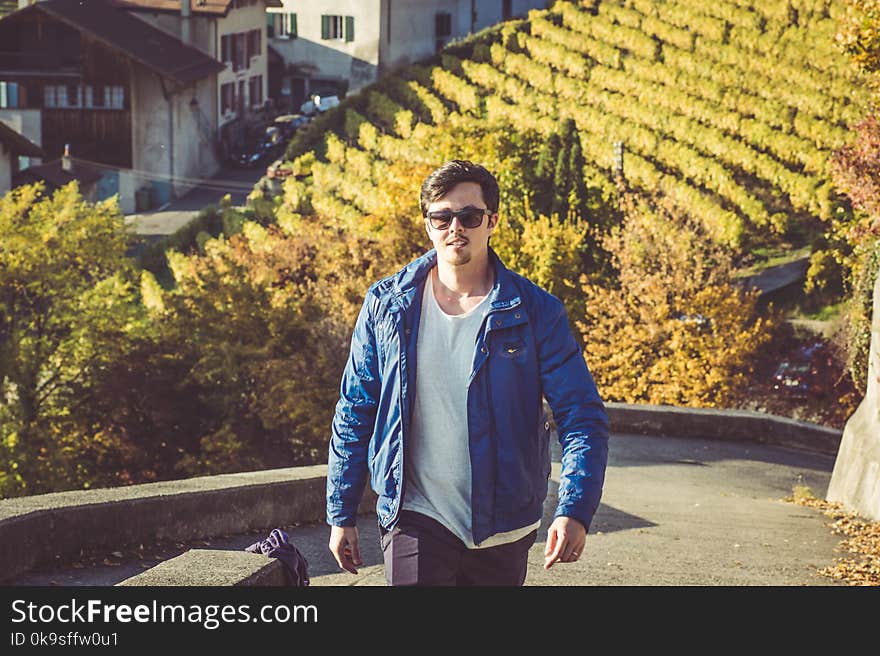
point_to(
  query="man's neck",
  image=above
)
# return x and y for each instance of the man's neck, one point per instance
(458, 289)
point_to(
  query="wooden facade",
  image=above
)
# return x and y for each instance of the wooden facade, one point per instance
(82, 87)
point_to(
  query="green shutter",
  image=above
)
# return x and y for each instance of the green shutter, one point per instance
(349, 28)
(325, 27)
(293, 31)
(270, 25)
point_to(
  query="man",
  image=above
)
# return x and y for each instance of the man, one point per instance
(441, 404)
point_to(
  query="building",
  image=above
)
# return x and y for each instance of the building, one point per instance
(230, 31)
(13, 147)
(152, 92)
(326, 47)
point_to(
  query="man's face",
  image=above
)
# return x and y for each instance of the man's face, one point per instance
(456, 244)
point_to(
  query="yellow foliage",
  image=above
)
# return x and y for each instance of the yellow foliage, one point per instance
(675, 330)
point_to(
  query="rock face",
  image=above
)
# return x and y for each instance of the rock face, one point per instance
(856, 478)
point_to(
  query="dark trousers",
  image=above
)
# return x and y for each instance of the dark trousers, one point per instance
(421, 551)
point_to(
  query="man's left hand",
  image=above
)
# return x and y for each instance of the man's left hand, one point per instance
(566, 538)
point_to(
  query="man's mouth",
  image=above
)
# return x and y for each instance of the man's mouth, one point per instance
(457, 242)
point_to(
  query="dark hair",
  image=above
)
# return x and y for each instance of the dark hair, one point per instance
(443, 179)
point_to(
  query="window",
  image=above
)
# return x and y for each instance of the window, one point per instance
(117, 97)
(506, 10)
(254, 43)
(442, 29)
(62, 95)
(442, 24)
(226, 48)
(334, 27)
(255, 90)
(96, 96)
(11, 95)
(281, 25)
(74, 97)
(227, 98)
(239, 51)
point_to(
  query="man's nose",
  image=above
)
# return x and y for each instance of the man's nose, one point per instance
(455, 225)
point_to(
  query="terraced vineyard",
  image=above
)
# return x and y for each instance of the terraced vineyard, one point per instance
(731, 107)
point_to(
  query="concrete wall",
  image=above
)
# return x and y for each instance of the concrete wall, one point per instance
(356, 61)
(855, 481)
(159, 124)
(129, 182)
(242, 20)
(202, 567)
(28, 123)
(388, 33)
(35, 530)
(5, 169)
(201, 28)
(412, 28)
(739, 425)
(205, 34)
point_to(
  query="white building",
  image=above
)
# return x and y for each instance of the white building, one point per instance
(150, 91)
(13, 147)
(325, 46)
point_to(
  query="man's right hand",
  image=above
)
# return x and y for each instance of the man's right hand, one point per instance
(344, 547)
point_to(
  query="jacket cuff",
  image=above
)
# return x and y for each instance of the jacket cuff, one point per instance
(575, 513)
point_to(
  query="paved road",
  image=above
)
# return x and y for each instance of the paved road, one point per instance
(779, 277)
(238, 183)
(674, 512)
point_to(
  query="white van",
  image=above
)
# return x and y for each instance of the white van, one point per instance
(318, 104)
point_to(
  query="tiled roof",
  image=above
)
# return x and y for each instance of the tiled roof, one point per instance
(18, 143)
(54, 174)
(133, 37)
(199, 7)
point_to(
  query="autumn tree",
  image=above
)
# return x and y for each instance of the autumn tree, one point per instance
(854, 236)
(674, 330)
(67, 308)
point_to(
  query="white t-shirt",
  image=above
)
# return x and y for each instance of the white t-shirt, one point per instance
(438, 463)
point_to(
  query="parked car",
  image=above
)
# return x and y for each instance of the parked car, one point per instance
(274, 142)
(319, 105)
(805, 373)
(290, 123)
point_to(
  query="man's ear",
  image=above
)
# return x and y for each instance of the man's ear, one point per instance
(493, 221)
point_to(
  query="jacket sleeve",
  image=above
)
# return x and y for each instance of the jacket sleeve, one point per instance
(580, 416)
(353, 422)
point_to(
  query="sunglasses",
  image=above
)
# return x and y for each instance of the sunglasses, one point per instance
(469, 217)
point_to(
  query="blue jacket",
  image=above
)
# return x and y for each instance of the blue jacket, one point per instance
(525, 349)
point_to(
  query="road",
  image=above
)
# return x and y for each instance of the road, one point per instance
(674, 512)
(238, 183)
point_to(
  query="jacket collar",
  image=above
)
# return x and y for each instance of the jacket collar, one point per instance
(411, 279)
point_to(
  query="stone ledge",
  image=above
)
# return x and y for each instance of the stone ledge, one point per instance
(213, 567)
(34, 530)
(731, 425)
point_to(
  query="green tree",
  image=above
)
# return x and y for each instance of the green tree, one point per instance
(578, 197)
(544, 172)
(561, 183)
(66, 309)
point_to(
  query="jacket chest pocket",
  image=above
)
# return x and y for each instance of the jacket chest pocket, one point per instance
(511, 348)
(510, 345)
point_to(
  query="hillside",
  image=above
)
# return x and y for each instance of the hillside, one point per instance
(730, 108)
